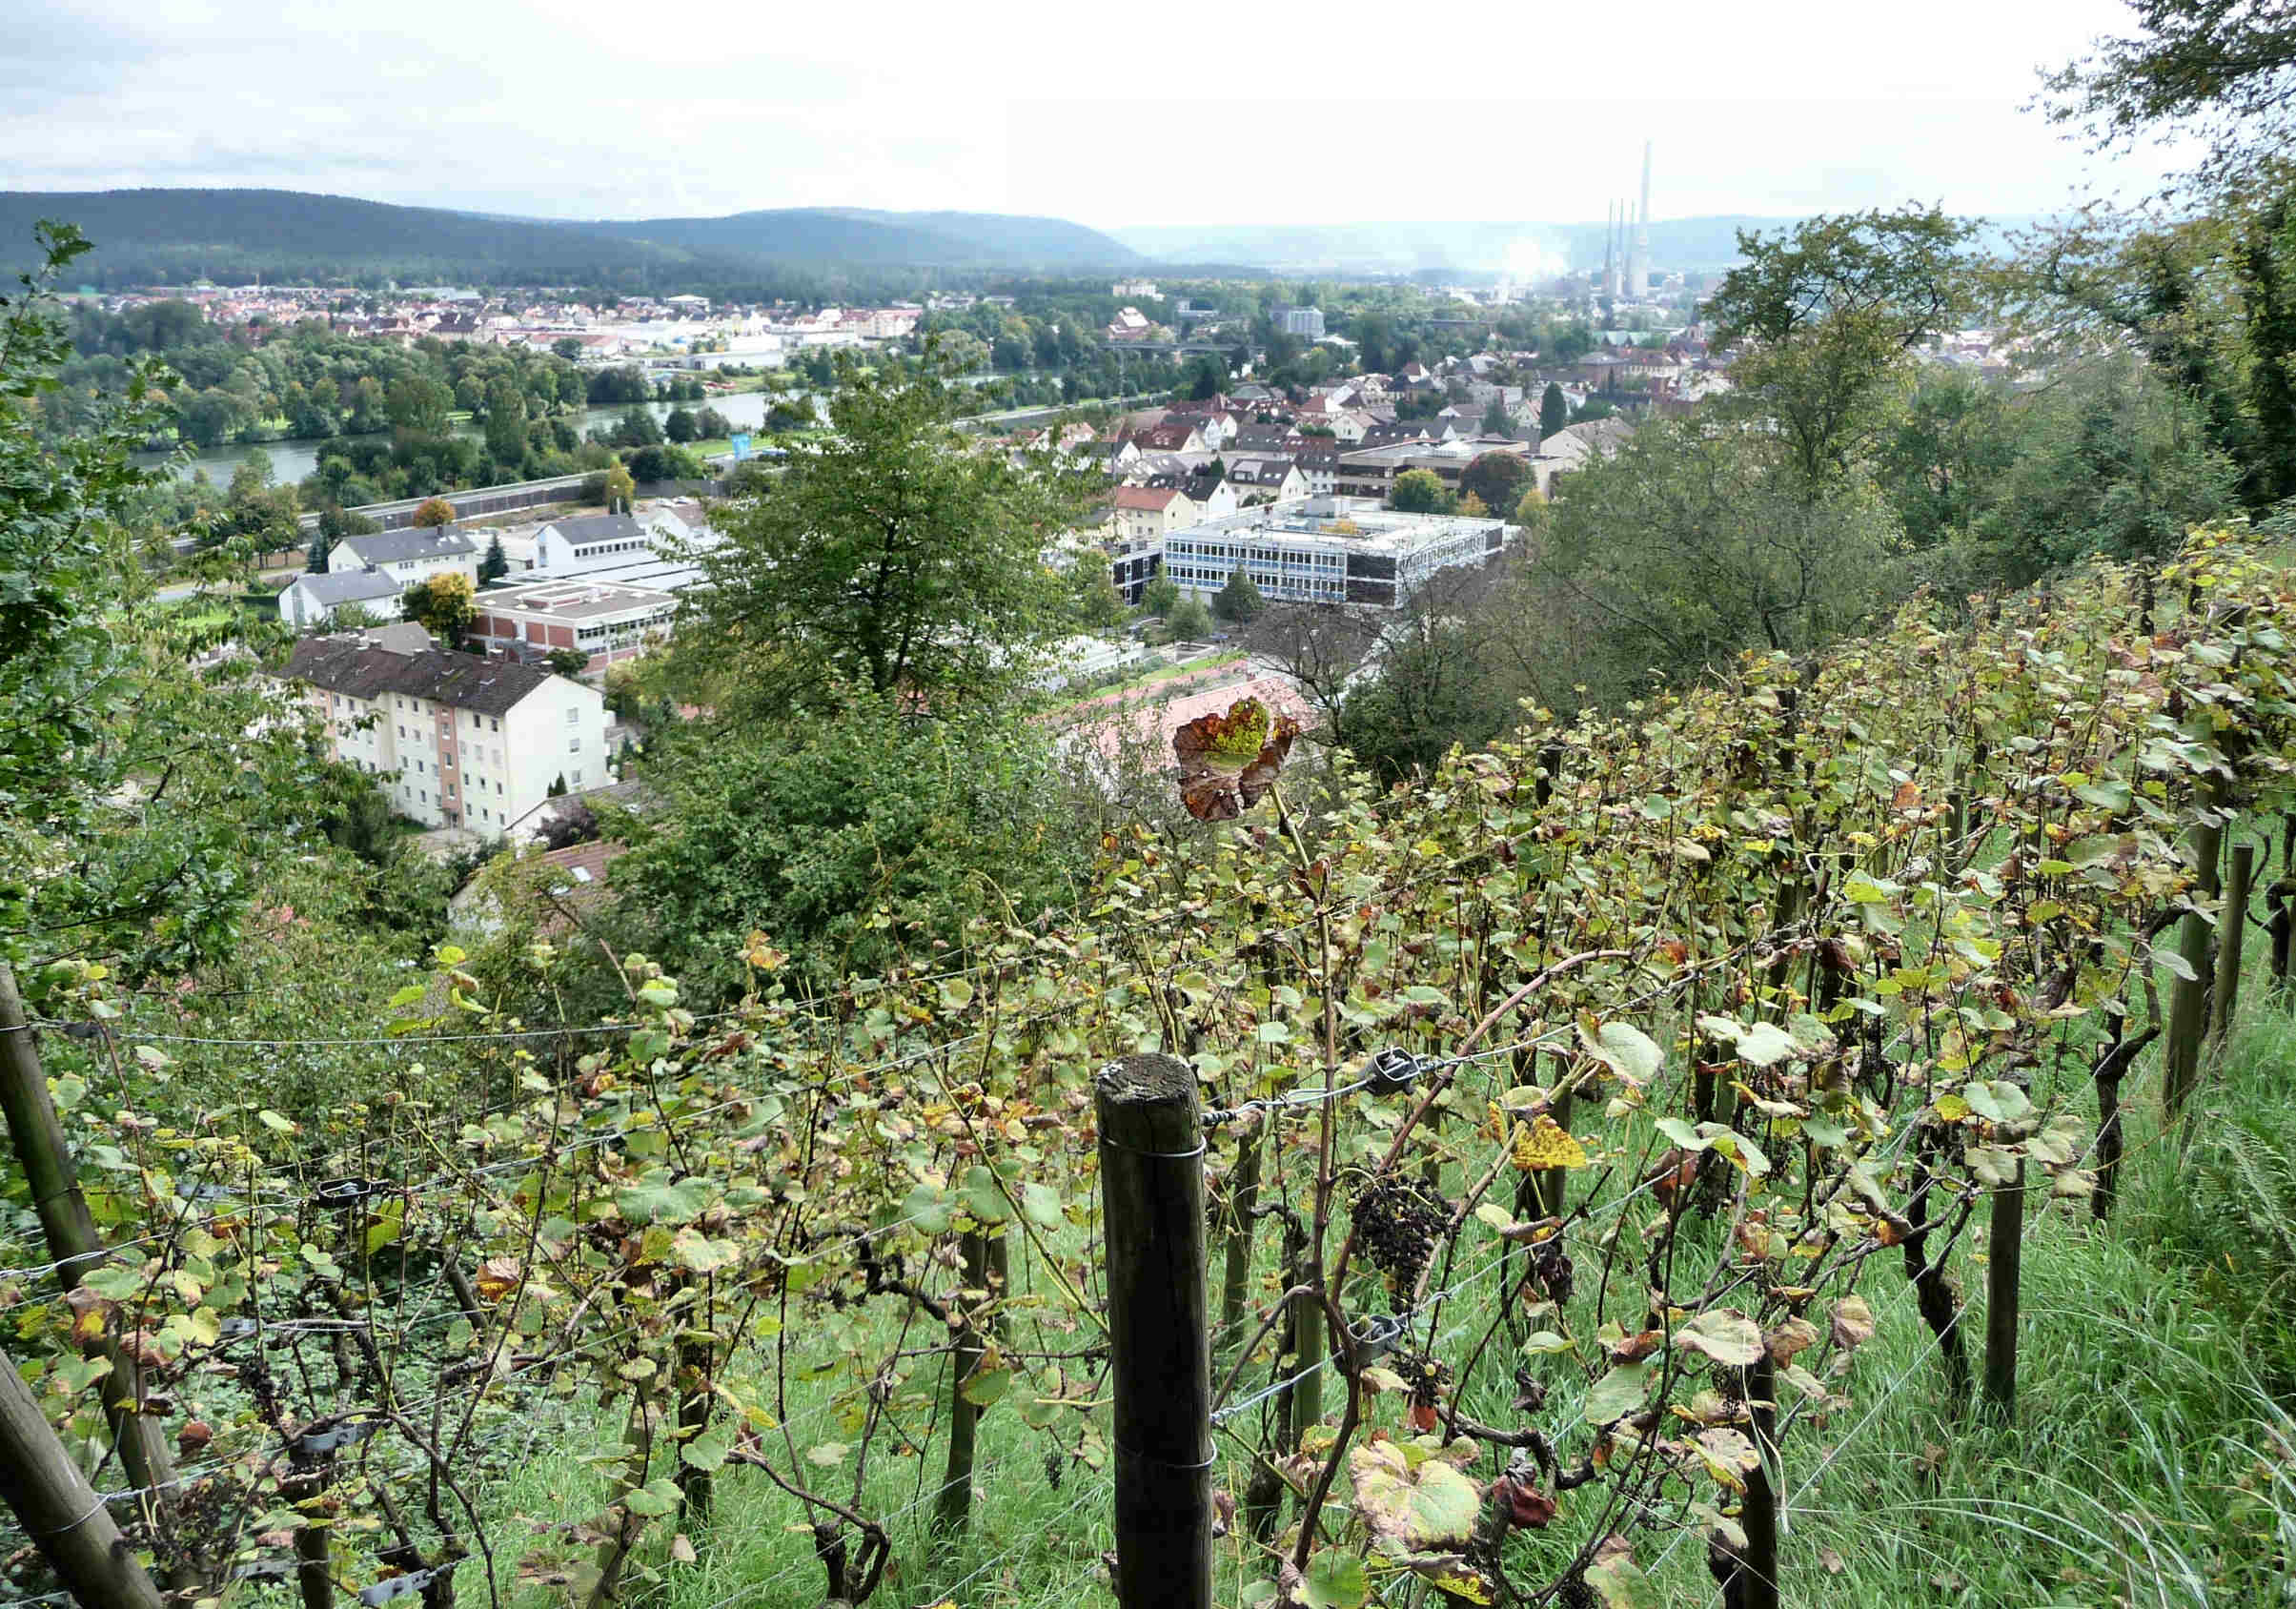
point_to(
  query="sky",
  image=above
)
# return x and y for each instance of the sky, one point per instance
(1112, 116)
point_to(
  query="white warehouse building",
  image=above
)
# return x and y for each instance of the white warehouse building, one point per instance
(1330, 550)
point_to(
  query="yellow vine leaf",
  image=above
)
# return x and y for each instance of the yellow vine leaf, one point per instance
(1545, 1143)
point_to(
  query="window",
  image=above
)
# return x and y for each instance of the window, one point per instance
(575, 779)
(574, 746)
(402, 728)
(574, 718)
(494, 725)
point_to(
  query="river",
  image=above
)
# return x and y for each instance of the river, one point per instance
(293, 460)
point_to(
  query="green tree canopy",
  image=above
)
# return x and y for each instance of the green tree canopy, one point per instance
(896, 557)
(1239, 602)
(442, 604)
(1420, 491)
(1498, 479)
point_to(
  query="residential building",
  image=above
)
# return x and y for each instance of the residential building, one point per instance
(1306, 322)
(609, 620)
(407, 557)
(311, 600)
(1267, 480)
(463, 740)
(1321, 467)
(1371, 471)
(1573, 447)
(1330, 550)
(1147, 512)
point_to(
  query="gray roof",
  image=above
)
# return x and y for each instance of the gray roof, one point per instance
(397, 548)
(586, 528)
(347, 586)
(353, 663)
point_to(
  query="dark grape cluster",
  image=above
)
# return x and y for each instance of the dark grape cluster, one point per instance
(1398, 1224)
(1425, 1374)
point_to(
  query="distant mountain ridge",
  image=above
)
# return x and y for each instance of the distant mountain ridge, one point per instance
(856, 235)
(158, 236)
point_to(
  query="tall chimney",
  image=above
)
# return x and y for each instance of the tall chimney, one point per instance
(1638, 269)
(1610, 250)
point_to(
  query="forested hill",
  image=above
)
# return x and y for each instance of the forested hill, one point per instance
(851, 235)
(166, 236)
(162, 236)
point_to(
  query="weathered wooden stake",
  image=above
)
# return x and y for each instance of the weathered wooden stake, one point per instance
(60, 1511)
(1757, 1581)
(72, 1239)
(2233, 931)
(1151, 1186)
(2188, 995)
(2004, 1254)
(952, 1510)
(1242, 1195)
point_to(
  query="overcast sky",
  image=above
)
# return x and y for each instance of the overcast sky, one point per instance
(1110, 115)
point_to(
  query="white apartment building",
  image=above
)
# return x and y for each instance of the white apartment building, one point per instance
(464, 742)
(407, 557)
(1330, 550)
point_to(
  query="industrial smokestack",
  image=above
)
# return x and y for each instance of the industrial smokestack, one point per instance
(1638, 262)
(1610, 250)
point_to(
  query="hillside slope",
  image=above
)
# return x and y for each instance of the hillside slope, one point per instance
(162, 236)
(855, 235)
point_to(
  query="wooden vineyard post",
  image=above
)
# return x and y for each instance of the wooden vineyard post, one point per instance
(2283, 928)
(2233, 931)
(1243, 1196)
(1757, 1580)
(2188, 994)
(2004, 1252)
(1151, 1188)
(952, 1510)
(57, 1508)
(72, 1240)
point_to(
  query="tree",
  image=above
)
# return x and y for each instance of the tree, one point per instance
(418, 404)
(1496, 478)
(1553, 411)
(316, 551)
(568, 347)
(432, 512)
(1321, 649)
(1420, 491)
(679, 426)
(567, 662)
(134, 781)
(1096, 603)
(1692, 544)
(2224, 71)
(847, 838)
(893, 556)
(506, 423)
(1160, 596)
(1239, 602)
(1205, 379)
(637, 428)
(619, 490)
(496, 564)
(1496, 421)
(1189, 621)
(1826, 317)
(442, 604)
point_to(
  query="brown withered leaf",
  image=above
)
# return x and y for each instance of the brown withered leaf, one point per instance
(1227, 762)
